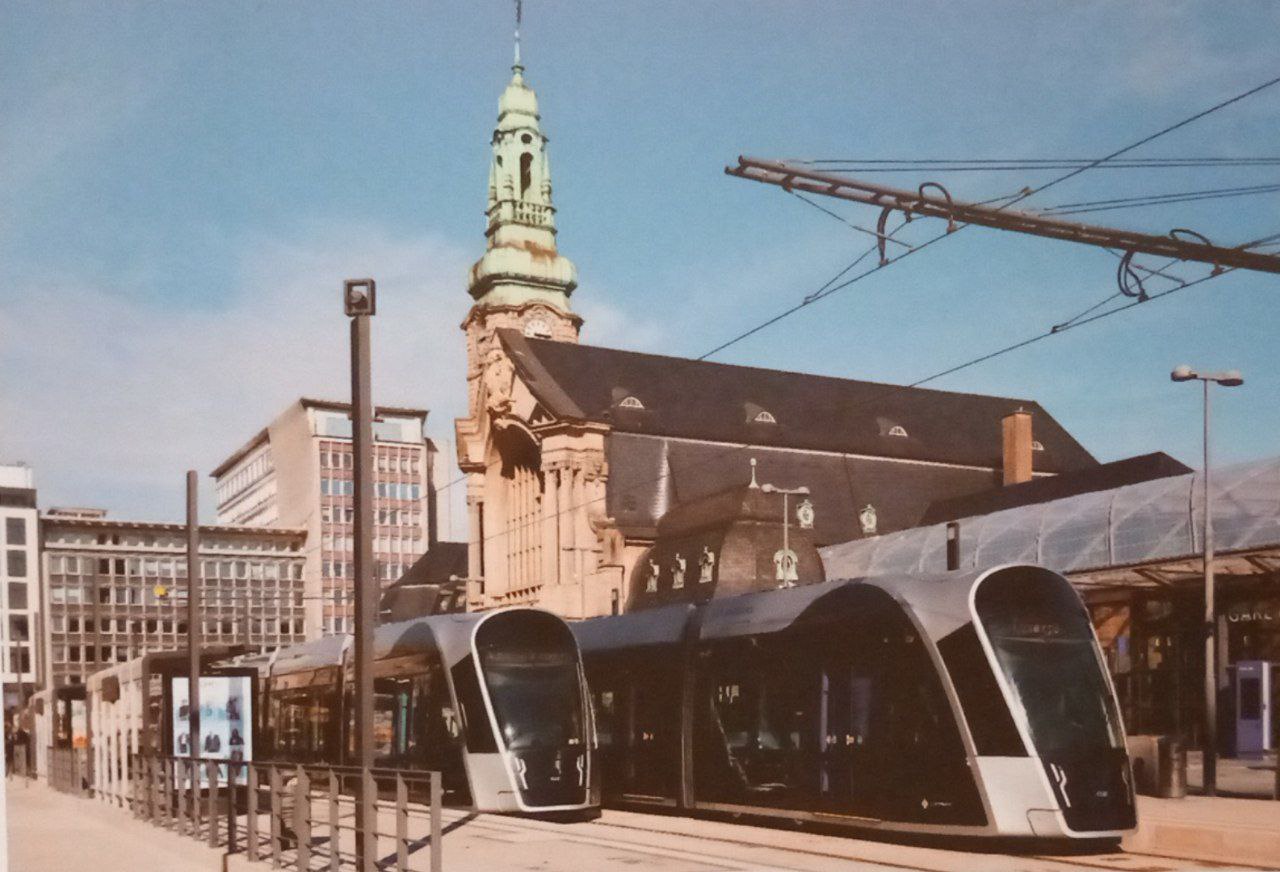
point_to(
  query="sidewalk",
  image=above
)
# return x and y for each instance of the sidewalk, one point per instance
(43, 837)
(1214, 829)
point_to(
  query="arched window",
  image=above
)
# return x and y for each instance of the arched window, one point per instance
(1037, 445)
(526, 172)
(630, 403)
(764, 417)
(898, 430)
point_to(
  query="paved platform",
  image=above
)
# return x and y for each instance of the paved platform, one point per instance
(1235, 777)
(54, 832)
(1213, 829)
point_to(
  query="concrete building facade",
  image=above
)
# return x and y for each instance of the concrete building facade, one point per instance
(297, 472)
(19, 583)
(115, 590)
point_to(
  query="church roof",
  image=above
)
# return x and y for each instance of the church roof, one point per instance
(700, 400)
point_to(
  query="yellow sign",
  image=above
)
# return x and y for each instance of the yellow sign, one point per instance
(160, 591)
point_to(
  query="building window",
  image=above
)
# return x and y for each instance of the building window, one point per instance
(1037, 445)
(16, 561)
(630, 403)
(898, 430)
(17, 595)
(15, 531)
(763, 417)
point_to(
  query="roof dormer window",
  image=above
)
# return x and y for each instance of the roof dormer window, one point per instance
(898, 430)
(764, 417)
(630, 402)
(1037, 445)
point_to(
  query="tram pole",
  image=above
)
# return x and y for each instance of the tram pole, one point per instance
(359, 298)
(193, 625)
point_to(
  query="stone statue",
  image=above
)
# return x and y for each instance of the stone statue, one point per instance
(677, 571)
(706, 565)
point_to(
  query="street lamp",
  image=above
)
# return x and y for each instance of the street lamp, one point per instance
(1229, 379)
(786, 527)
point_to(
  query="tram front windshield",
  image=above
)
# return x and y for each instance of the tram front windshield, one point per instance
(535, 688)
(1044, 644)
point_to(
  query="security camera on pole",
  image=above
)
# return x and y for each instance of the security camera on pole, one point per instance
(359, 298)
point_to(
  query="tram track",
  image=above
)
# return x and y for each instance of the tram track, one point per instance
(925, 859)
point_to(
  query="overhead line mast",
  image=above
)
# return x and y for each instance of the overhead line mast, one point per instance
(1180, 244)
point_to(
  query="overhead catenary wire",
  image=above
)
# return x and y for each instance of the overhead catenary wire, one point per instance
(1024, 194)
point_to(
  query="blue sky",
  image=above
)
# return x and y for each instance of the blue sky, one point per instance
(186, 184)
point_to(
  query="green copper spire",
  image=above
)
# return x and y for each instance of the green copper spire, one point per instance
(521, 264)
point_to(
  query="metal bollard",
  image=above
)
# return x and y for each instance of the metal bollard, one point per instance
(180, 791)
(302, 817)
(402, 824)
(367, 820)
(251, 815)
(232, 776)
(437, 799)
(211, 769)
(334, 830)
(274, 785)
(168, 782)
(195, 799)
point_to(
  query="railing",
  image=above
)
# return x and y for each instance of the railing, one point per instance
(69, 770)
(310, 811)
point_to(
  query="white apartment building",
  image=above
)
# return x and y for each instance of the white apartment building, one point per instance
(19, 583)
(298, 471)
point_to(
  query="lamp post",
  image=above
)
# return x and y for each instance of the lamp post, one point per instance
(359, 297)
(786, 522)
(1229, 379)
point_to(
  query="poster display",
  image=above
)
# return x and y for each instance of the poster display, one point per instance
(226, 722)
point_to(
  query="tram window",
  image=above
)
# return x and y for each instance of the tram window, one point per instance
(606, 716)
(475, 718)
(1044, 643)
(985, 709)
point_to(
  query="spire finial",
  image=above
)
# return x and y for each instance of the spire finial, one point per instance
(516, 65)
(754, 485)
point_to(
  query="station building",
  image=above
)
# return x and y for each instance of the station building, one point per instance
(574, 454)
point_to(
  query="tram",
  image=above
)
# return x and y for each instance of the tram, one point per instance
(967, 703)
(494, 701)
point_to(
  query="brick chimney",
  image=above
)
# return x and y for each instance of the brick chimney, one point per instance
(1016, 428)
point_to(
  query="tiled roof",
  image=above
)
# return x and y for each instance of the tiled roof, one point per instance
(719, 402)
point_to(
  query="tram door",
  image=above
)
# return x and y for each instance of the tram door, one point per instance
(1255, 696)
(638, 716)
(846, 766)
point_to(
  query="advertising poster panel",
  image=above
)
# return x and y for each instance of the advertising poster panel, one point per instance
(226, 722)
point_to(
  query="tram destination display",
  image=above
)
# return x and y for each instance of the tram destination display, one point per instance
(226, 722)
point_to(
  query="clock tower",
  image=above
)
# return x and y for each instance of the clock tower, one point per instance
(522, 471)
(521, 281)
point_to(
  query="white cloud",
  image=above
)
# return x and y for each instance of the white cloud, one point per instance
(111, 400)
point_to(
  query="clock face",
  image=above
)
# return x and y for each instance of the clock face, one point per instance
(537, 328)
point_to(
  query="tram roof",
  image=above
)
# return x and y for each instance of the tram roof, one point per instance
(663, 625)
(1156, 520)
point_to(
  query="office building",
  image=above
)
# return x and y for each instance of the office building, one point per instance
(298, 472)
(115, 590)
(19, 583)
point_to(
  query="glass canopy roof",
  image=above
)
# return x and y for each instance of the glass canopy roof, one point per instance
(1140, 523)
